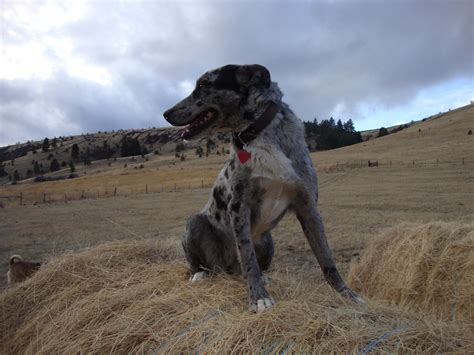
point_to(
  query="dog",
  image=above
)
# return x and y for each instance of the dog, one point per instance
(269, 173)
(20, 270)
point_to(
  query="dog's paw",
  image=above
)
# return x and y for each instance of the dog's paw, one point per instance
(352, 296)
(261, 304)
(199, 276)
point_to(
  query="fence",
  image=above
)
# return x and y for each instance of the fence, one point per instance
(36, 197)
(375, 163)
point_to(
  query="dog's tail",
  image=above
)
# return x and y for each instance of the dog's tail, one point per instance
(15, 259)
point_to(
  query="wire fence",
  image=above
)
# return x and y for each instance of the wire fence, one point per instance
(43, 197)
(371, 163)
(38, 196)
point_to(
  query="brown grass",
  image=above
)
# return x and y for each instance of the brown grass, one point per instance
(425, 267)
(134, 297)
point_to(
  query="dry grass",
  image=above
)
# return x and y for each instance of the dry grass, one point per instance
(444, 139)
(134, 297)
(427, 267)
(163, 173)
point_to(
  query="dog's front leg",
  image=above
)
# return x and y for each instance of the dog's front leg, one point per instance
(259, 299)
(313, 228)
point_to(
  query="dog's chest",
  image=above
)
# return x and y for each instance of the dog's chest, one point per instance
(274, 201)
(267, 161)
(274, 174)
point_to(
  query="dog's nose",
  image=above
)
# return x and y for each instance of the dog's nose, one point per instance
(167, 113)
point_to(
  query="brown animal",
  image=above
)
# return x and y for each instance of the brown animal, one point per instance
(20, 270)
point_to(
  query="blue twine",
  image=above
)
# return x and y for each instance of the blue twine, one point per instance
(374, 342)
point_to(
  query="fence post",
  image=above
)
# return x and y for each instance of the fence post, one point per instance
(175, 187)
(44, 197)
(115, 191)
(82, 196)
(202, 184)
(21, 198)
(413, 162)
(65, 198)
(146, 188)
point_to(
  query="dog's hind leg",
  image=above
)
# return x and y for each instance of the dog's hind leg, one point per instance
(313, 228)
(207, 249)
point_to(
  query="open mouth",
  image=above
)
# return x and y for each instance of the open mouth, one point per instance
(199, 123)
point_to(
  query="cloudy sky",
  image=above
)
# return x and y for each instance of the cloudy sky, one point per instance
(69, 67)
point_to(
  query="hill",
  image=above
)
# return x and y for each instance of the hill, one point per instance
(108, 149)
(439, 138)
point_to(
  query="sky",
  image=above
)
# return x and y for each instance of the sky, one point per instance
(70, 67)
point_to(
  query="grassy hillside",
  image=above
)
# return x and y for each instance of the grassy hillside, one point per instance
(443, 137)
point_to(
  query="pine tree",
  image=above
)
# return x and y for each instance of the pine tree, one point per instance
(2, 171)
(382, 132)
(16, 176)
(72, 167)
(45, 145)
(54, 165)
(36, 168)
(75, 151)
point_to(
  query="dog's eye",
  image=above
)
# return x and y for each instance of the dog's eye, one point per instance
(204, 84)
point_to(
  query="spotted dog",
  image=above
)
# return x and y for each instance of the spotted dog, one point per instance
(269, 173)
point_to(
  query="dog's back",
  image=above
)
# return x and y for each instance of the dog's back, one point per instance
(20, 270)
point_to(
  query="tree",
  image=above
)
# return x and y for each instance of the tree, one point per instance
(72, 167)
(45, 145)
(382, 132)
(349, 126)
(16, 176)
(29, 173)
(199, 151)
(54, 142)
(87, 157)
(130, 146)
(179, 147)
(54, 165)
(2, 171)
(75, 151)
(36, 168)
(210, 144)
(329, 135)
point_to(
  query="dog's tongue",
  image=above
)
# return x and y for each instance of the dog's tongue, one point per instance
(243, 156)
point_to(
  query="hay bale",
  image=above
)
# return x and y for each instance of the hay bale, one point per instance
(134, 297)
(427, 268)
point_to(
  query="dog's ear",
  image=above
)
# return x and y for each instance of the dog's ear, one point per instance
(253, 75)
(226, 79)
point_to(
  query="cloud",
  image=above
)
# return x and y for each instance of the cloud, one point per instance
(102, 67)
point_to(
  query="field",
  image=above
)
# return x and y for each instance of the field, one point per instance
(356, 201)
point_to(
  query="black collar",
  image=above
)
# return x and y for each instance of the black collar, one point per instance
(243, 138)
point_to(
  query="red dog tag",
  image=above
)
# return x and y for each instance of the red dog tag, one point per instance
(243, 156)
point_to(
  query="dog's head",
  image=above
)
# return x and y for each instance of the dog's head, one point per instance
(224, 100)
